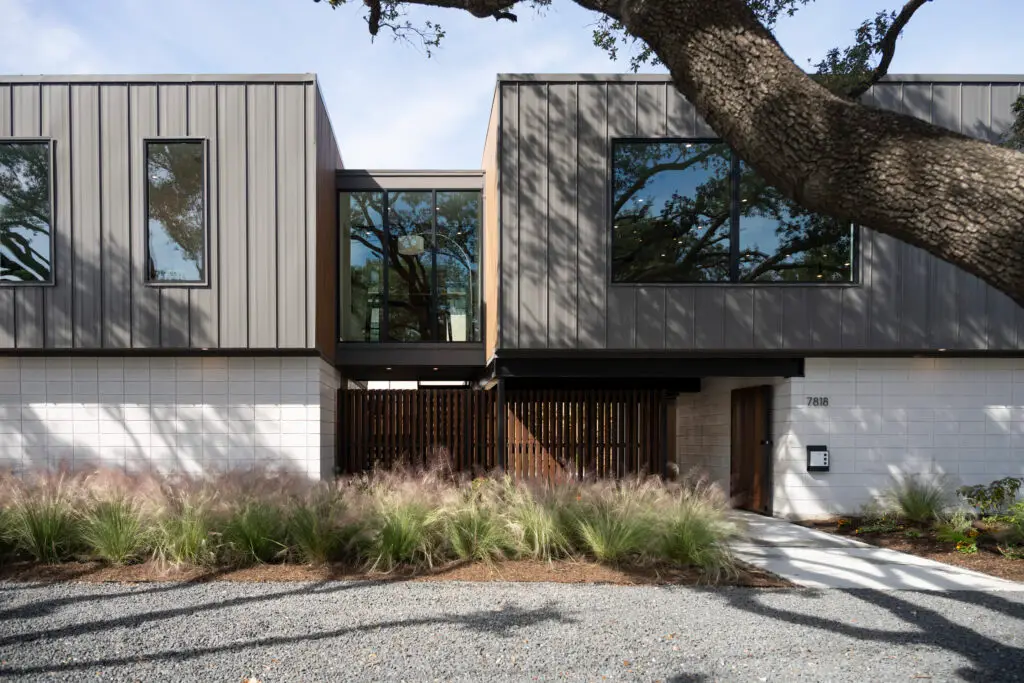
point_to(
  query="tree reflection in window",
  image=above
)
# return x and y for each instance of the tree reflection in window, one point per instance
(780, 241)
(176, 203)
(428, 239)
(674, 210)
(671, 212)
(25, 212)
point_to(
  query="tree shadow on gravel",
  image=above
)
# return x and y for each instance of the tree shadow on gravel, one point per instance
(990, 659)
(42, 608)
(499, 623)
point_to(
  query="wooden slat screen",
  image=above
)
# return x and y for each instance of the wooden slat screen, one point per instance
(553, 435)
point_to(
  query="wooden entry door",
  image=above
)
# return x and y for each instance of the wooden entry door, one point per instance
(750, 467)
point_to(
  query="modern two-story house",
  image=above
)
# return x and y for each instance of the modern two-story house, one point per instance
(190, 279)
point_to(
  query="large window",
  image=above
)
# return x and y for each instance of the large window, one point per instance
(176, 212)
(412, 258)
(690, 211)
(26, 224)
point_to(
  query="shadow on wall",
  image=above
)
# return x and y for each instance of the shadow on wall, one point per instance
(152, 412)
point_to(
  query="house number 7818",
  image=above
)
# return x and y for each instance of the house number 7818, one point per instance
(818, 401)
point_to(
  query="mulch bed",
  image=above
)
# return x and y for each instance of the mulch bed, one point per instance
(520, 571)
(988, 559)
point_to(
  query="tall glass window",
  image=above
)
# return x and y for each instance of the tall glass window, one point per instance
(26, 225)
(362, 229)
(420, 248)
(176, 206)
(689, 211)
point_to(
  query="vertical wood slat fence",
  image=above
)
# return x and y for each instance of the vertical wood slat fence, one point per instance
(555, 435)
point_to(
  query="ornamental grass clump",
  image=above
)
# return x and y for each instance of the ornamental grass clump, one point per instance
(402, 533)
(475, 532)
(918, 500)
(536, 528)
(254, 532)
(182, 534)
(42, 522)
(694, 533)
(114, 531)
(318, 530)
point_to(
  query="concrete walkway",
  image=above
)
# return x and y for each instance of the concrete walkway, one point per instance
(816, 559)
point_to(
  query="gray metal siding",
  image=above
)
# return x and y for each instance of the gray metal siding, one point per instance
(554, 221)
(260, 209)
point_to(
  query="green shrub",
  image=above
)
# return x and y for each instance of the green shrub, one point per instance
(402, 533)
(1012, 552)
(316, 529)
(694, 534)
(183, 536)
(113, 530)
(992, 499)
(45, 527)
(918, 500)
(537, 531)
(475, 532)
(254, 533)
(612, 533)
(958, 528)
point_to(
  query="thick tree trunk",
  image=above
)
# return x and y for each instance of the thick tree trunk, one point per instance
(958, 198)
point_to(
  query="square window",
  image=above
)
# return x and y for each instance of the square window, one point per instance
(26, 212)
(176, 212)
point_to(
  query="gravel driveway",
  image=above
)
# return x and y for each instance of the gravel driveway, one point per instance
(502, 631)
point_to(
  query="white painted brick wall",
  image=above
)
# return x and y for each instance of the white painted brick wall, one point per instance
(168, 414)
(956, 418)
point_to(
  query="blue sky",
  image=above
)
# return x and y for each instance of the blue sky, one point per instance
(393, 108)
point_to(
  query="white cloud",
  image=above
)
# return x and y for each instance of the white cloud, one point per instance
(35, 42)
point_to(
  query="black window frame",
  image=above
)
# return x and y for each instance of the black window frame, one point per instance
(51, 198)
(734, 225)
(385, 275)
(180, 284)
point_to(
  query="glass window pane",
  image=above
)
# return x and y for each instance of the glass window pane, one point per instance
(25, 223)
(362, 228)
(671, 212)
(780, 241)
(458, 228)
(176, 202)
(410, 271)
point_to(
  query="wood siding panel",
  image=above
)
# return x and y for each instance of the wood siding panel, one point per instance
(174, 304)
(234, 247)
(115, 191)
(562, 243)
(87, 269)
(7, 319)
(508, 294)
(58, 299)
(591, 263)
(491, 232)
(291, 216)
(203, 311)
(533, 212)
(29, 318)
(144, 120)
(262, 186)
(323, 161)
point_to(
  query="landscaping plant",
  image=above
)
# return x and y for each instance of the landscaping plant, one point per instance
(958, 528)
(694, 532)
(919, 500)
(254, 532)
(114, 530)
(42, 521)
(183, 537)
(991, 499)
(316, 527)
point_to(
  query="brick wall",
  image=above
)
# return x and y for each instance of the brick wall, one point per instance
(167, 414)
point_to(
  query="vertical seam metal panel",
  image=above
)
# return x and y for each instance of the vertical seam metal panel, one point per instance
(499, 229)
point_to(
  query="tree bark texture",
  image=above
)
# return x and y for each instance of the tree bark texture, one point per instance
(958, 198)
